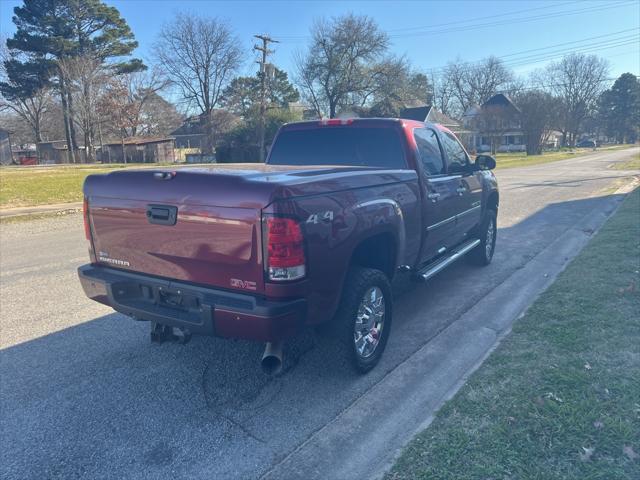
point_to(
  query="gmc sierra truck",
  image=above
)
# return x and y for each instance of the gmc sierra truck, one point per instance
(315, 235)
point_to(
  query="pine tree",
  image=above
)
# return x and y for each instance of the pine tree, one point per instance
(49, 31)
(242, 96)
(620, 108)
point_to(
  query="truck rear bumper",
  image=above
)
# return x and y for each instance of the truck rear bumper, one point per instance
(201, 310)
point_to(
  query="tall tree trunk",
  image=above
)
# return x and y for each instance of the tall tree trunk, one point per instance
(37, 130)
(209, 144)
(66, 119)
(88, 127)
(87, 145)
(72, 127)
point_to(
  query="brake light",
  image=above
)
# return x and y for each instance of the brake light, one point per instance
(337, 121)
(85, 218)
(285, 250)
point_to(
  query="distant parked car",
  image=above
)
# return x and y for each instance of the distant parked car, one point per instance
(587, 144)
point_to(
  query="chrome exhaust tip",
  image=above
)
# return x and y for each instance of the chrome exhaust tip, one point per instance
(271, 362)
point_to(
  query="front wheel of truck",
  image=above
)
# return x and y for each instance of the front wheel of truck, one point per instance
(363, 319)
(487, 233)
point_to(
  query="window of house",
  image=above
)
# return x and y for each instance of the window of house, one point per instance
(429, 151)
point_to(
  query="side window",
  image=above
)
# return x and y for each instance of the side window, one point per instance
(456, 156)
(429, 151)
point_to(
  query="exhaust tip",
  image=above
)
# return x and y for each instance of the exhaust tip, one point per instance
(272, 359)
(271, 365)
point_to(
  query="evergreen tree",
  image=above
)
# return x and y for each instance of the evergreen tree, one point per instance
(619, 108)
(49, 31)
(242, 96)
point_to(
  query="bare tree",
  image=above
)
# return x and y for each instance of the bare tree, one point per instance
(442, 94)
(538, 114)
(86, 78)
(474, 83)
(200, 56)
(31, 110)
(142, 88)
(158, 116)
(340, 67)
(577, 80)
(117, 109)
(395, 87)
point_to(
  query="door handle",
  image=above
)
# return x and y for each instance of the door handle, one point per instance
(162, 214)
(433, 197)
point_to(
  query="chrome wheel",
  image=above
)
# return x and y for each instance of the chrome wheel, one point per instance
(369, 322)
(491, 232)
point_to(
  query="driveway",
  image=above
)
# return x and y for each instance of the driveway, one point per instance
(84, 394)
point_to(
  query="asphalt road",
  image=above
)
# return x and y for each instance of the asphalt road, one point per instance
(83, 393)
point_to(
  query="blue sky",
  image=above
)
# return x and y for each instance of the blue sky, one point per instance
(429, 33)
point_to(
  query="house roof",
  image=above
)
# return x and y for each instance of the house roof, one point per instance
(58, 145)
(428, 113)
(500, 100)
(140, 140)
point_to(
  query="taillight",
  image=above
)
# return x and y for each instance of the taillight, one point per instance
(285, 250)
(85, 218)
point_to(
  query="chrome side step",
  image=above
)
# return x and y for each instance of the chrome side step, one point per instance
(435, 268)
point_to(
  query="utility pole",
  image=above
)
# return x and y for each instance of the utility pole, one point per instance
(264, 50)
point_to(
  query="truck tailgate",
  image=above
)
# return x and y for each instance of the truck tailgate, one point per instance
(164, 228)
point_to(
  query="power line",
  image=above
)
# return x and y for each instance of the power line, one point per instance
(551, 51)
(514, 12)
(555, 85)
(585, 49)
(572, 42)
(462, 28)
(517, 20)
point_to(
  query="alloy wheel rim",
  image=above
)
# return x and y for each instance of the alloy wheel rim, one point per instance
(369, 322)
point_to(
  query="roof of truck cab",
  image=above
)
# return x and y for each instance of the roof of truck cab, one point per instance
(351, 121)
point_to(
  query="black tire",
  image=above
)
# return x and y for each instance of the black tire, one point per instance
(481, 255)
(359, 281)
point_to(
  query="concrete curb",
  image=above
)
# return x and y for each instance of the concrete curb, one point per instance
(41, 209)
(406, 400)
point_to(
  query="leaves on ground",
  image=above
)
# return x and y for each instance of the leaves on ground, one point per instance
(587, 453)
(629, 452)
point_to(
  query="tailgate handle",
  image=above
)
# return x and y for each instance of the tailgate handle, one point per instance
(162, 214)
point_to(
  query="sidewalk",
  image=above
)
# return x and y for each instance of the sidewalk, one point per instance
(41, 209)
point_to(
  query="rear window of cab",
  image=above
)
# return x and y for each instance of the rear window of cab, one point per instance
(339, 145)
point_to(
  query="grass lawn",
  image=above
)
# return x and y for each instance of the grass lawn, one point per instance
(510, 160)
(632, 164)
(29, 186)
(560, 397)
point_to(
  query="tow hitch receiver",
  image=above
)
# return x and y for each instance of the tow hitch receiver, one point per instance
(165, 333)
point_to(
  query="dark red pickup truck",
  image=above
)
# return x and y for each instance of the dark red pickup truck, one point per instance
(314, 235)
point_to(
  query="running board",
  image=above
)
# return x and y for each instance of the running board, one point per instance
(441, 264)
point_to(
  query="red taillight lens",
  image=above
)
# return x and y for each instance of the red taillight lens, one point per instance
(285, 250)
(85, 218)
(337, 121)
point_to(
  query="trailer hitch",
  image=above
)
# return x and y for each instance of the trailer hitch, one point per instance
(165, 333)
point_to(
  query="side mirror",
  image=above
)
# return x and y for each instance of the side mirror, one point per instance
(485, 162)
